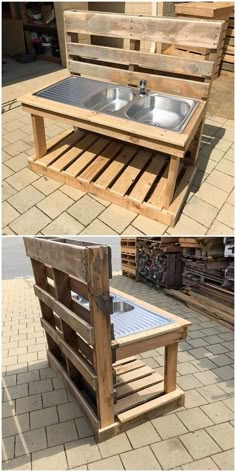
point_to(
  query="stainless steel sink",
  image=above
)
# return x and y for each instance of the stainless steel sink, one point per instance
(155, 109)
(163, 111)
(121, 307)
(128, 319)
(111, 99)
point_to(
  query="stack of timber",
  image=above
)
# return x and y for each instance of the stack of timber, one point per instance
(227, 64)
(129, 257)
(215, 303)
(159, 262)
(229, 254)
(208, 280)
(209, 11)
(202, 268)
(206, 263)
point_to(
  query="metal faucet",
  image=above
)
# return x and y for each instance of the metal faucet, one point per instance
(142, 87)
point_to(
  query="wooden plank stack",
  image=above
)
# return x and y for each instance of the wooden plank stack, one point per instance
(210, 303)
(208, 280)
(224, 59)
(207, 264)
(227, 64)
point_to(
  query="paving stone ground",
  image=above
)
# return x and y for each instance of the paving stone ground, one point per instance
(33, 204)
(43, 427)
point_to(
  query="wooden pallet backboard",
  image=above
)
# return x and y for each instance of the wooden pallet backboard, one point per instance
(129, 66)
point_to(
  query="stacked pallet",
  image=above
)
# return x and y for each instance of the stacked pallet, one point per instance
(207, 263)
(227, 64)
(209, 11)
(129, 257)
(208, 279)
(202, 268)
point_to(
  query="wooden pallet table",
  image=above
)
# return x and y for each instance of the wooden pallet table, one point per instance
(114, 388)
(138, 166)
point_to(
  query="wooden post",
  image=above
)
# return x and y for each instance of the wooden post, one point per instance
(39, 136)
(195, 145)
(98, 286)
(171, 352)
(171, 180)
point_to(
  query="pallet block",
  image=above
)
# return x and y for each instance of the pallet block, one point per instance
(114, 388)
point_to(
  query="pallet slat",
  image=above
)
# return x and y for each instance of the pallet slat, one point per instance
(149, 406)
(133, 375)
(163, 30)
(136, 385)
(138, 398)
(78, 324)
(142, 59)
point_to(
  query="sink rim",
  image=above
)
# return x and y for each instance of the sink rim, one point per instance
(121, 303)
(128, 90)
(178, 128)
(99, 87)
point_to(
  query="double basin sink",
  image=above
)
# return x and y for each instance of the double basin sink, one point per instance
(155, 109)
(151, 108)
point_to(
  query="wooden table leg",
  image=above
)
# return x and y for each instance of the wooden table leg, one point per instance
(98, 285)
(195, 145)
(171, 352)
(171, 180)
(39, 136)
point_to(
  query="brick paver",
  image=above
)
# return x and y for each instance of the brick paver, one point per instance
(55, 208)
(44, 428)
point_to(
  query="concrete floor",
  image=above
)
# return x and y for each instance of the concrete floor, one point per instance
(222, 97)
(18, 79)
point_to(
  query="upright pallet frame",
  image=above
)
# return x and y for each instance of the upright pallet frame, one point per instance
(129, 257)
(114, 389)
(140, 167)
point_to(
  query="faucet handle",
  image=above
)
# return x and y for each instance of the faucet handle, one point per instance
(142, 83)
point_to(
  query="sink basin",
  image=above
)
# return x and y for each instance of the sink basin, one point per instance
(111, 99)
(162, 111)
(122, 307)
(119, 306)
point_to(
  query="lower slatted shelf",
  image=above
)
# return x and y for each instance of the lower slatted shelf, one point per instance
(127, 175)
(138, 395)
